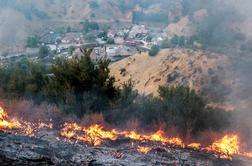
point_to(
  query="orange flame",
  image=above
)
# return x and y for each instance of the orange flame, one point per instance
(27, 128)
(158, 136)
(194, 145)
(143, 149)
(7, 124)
(227, 146)
(93, 134)
(96, 134)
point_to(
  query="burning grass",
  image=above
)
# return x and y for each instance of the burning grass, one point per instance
(8, 124)
(27, 128)
(225, 147)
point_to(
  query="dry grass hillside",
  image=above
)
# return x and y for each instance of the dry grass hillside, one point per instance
(205, 72)
(185, 26)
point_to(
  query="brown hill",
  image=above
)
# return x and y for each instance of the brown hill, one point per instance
(205, 72)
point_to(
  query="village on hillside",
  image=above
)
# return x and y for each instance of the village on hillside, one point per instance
(113, 43)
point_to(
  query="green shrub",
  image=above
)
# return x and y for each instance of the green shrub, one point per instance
(154, 50)
(32, 41)
(43, 51)
(183, 107)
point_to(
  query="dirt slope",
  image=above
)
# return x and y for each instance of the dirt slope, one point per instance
(202, 71)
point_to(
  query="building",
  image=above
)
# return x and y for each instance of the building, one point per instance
(52, 47)
(98, 53)
(51, 38)
(118, 52)
(112, 52)
(136, 30)
(72, 38)
(119, 40)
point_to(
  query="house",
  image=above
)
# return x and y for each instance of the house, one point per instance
(118, 52)
(100, 41)
(119, 40)
(72, 38)
(112, 33)
(130, 43)
(52, 47)
(62, 48)
(98, 53)
(51, 38)
(112, 52)
(136, 30)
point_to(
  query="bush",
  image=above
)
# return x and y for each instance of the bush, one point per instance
(80, 78)
(88, 26)
(154, 50)
(23, 79)
(110, 41)
(148, 38)
(43, 51)
(215, 120)
(183, 107)
(90, 37)
(70, 50)
(32, 41)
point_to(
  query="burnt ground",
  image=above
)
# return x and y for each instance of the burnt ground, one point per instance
(47, 150)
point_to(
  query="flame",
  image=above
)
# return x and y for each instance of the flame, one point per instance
(70, 130)
(227, 146)
(96, 134)
(143, 149)
(42, 125)
(224, 148)
(7, 124)
(158, 136)
(27, 128)
(93, 134)
(194, 145)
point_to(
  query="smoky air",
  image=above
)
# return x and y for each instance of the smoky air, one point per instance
(124, 82)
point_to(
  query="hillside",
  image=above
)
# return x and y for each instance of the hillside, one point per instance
(179, 17)
(38, 16)
(35, 17)
(205, 72)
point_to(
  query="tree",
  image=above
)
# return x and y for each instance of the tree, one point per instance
(69, 29)
(88, 26)
(154, 50)
(110, 40)
(70, 50)
(32, 41)
(23, 79)
(90, 37)
(148, 38)
(43, 51)
(102, 34)
(128, 94)
(80, 77)
(183, 106)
